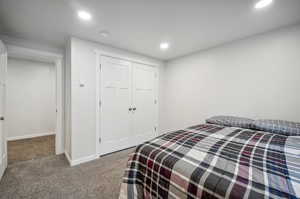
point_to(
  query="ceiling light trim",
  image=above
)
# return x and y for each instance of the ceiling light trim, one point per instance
(263, 3)
(84, 15)
(164, 45)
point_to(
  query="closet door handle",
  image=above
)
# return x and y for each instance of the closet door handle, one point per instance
(130, 109)
(1, 118)
(134, 109)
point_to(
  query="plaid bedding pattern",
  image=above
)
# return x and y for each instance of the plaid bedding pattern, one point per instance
(241, 122)
(210, 161)
(278, 126)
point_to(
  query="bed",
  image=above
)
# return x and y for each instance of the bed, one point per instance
(214, 161)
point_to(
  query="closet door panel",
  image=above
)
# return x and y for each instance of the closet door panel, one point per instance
(116, 99)
(144, 117)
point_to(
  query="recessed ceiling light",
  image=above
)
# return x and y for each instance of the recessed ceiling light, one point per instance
(104, 33)
(164, 46)
(84, 15)
(263, 3)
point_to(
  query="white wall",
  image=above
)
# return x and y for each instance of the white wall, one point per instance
(83, 99)
(67, 98)
(258, 77)
(30, 98)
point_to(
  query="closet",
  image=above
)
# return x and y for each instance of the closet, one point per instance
(128, 104)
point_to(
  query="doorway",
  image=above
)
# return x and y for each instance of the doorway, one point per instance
(30, 109)
(33, 104)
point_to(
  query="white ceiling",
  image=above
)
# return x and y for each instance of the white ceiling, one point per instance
(140, 25)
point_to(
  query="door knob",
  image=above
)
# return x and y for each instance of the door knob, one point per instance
(130, 109)
(1, 118)
(134, 109)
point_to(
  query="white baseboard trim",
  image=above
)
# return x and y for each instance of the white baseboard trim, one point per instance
(80, 160)
(68, 157)
(29, 136)
(3, 165)
(84, 159)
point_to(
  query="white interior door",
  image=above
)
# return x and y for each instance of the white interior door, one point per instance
(144, 102)
(3, 153)
(116, 98)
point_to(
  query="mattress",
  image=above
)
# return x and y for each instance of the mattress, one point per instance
(211, 161)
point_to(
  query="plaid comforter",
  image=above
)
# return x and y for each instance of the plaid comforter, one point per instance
(209, 161)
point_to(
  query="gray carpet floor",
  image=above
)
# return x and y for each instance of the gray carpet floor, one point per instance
(52, 177)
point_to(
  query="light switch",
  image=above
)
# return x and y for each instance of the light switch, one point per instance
(81, 83)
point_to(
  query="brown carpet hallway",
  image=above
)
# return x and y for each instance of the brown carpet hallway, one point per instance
(30, 148)
(53, 178)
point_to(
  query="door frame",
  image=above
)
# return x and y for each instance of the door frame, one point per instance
(52, 58)
(98, 73)
(3, 145)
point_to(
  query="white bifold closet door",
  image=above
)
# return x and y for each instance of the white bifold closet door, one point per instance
(144, 102)
(128, 112)
(116, 98)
